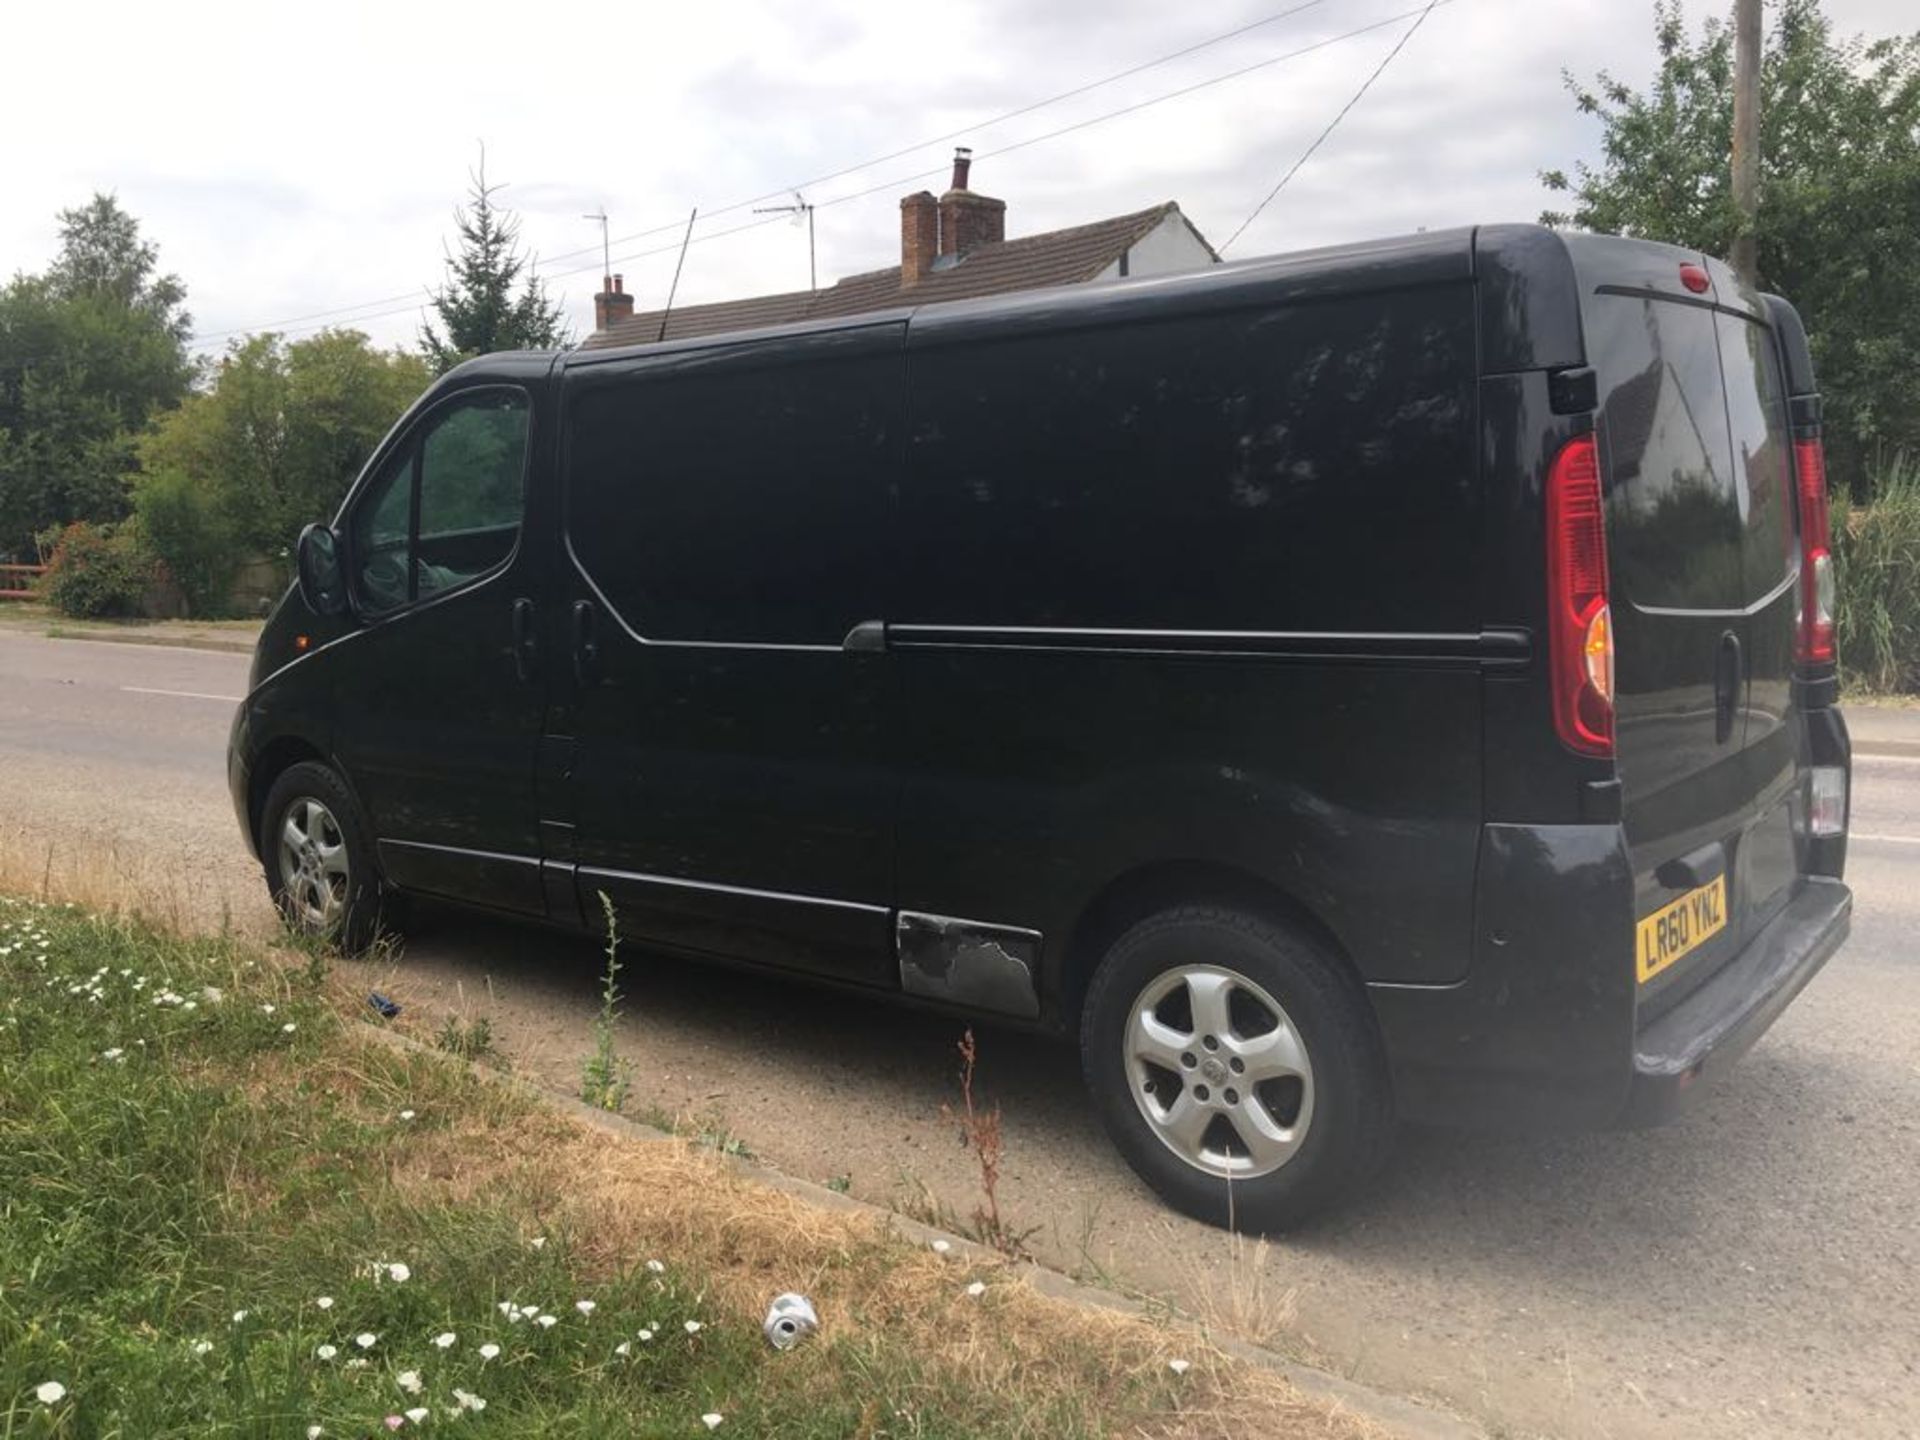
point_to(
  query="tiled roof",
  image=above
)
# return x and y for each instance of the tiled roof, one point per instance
(1031, 262)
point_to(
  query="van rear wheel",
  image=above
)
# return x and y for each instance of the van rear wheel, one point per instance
(1235, 1064)
(319, 858)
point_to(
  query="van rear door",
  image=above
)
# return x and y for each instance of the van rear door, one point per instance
(1695, 451)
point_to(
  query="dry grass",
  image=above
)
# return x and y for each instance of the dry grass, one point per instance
(103, 876)
(622, 1203)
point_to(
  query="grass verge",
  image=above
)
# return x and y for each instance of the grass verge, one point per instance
(226, 1211)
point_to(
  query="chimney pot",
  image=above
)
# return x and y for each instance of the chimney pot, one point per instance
(612, 304)
(962, 164)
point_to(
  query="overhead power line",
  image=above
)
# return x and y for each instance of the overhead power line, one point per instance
(1420, 12)
(673, 226)
(1334, 123)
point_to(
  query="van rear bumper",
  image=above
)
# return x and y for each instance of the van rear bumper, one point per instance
(1544, 1032)
(1717, 1024)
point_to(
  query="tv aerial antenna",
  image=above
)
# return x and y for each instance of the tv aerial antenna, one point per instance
(800, 209)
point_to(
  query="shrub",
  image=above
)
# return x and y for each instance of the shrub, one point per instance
(1877, 571)
(98, 570)
(192, 534)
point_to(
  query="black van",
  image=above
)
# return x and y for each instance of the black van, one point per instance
(1393, 681)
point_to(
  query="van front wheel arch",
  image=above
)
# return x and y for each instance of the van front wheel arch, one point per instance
(1235, 1063)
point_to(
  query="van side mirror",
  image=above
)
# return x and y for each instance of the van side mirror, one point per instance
(317, 557)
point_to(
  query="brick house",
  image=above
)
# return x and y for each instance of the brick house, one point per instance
(951, 248)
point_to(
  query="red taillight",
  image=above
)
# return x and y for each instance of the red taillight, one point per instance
(1814, 640)
(1579, 621)
(1695, 278)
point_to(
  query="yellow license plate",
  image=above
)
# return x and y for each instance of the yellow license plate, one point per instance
(1676, 930)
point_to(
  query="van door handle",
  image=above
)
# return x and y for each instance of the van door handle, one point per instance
(1728, 671)
(586, 651)
(524, 643)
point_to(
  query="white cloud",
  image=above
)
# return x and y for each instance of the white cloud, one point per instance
(292, 160)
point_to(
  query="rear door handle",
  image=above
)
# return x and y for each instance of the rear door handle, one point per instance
(525, 645)
(1728, 671)
(586, 651)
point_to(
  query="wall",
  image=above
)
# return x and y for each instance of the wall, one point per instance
(1168, 248)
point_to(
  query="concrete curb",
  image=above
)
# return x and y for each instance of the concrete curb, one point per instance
(221, 644)
(1401, 1416)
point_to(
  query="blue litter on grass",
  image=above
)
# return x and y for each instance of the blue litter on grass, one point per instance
(385, 1006)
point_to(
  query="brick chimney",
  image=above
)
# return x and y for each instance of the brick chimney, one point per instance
(612, 303)
(919, 236)
(967, 220)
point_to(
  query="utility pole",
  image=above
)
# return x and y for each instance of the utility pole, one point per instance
(1746, 135)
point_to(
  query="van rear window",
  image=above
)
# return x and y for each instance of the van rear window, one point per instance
(1677, 525)
(1762, 451)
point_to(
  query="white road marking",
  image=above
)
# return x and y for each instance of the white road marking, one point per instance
(183, 694)
(1887, 839)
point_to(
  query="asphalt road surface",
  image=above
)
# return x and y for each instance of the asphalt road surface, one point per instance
(1751, 1270)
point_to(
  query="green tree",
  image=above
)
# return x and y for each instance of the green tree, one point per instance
(88, 352)
(1839, 196)
(479, 308)
(282, 430)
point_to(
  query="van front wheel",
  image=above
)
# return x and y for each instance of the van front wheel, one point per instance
(318, 858)
(1235, 1064)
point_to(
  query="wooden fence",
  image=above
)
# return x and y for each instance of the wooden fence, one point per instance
(16, 581)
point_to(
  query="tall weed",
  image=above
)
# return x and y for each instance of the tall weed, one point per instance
(1877, 570)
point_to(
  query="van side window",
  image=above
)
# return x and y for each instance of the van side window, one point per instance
(1677, 529)
(1762, 451)
(740, 494)
(445, 509)
(1225, 472)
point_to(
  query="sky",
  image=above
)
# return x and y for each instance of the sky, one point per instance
(298, 166)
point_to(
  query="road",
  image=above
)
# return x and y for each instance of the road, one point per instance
(1751, 1270)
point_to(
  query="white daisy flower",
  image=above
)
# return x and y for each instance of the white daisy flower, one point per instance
(239, 1317)
(399, 1273)
(266, 1009)
(445, 1339)
(418, 1414)
(546, 1322)
(656, 1267)
(115, 1053)
(645, 1335)
(358, 1362)
(406, 1114)
(539, 1242)
(327, 1352)
(693, 1327)
(314, 1432)
(489, 1350)
(623, 1349)
(585, 1307)
(1179, 1367)
(409, 1381)
(325, 1302)
(977, 1289)
(366, 1339)
(201, 1347)
(51, 1393)
(467, 1400)
(712, 1419)
(942, 1247)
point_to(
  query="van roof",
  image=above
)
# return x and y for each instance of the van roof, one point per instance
(1531, 281)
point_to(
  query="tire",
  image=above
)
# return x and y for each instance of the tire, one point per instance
(1317, 1117)
(319, 858)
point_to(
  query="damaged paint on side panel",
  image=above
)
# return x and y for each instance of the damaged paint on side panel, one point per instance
(966, 962)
